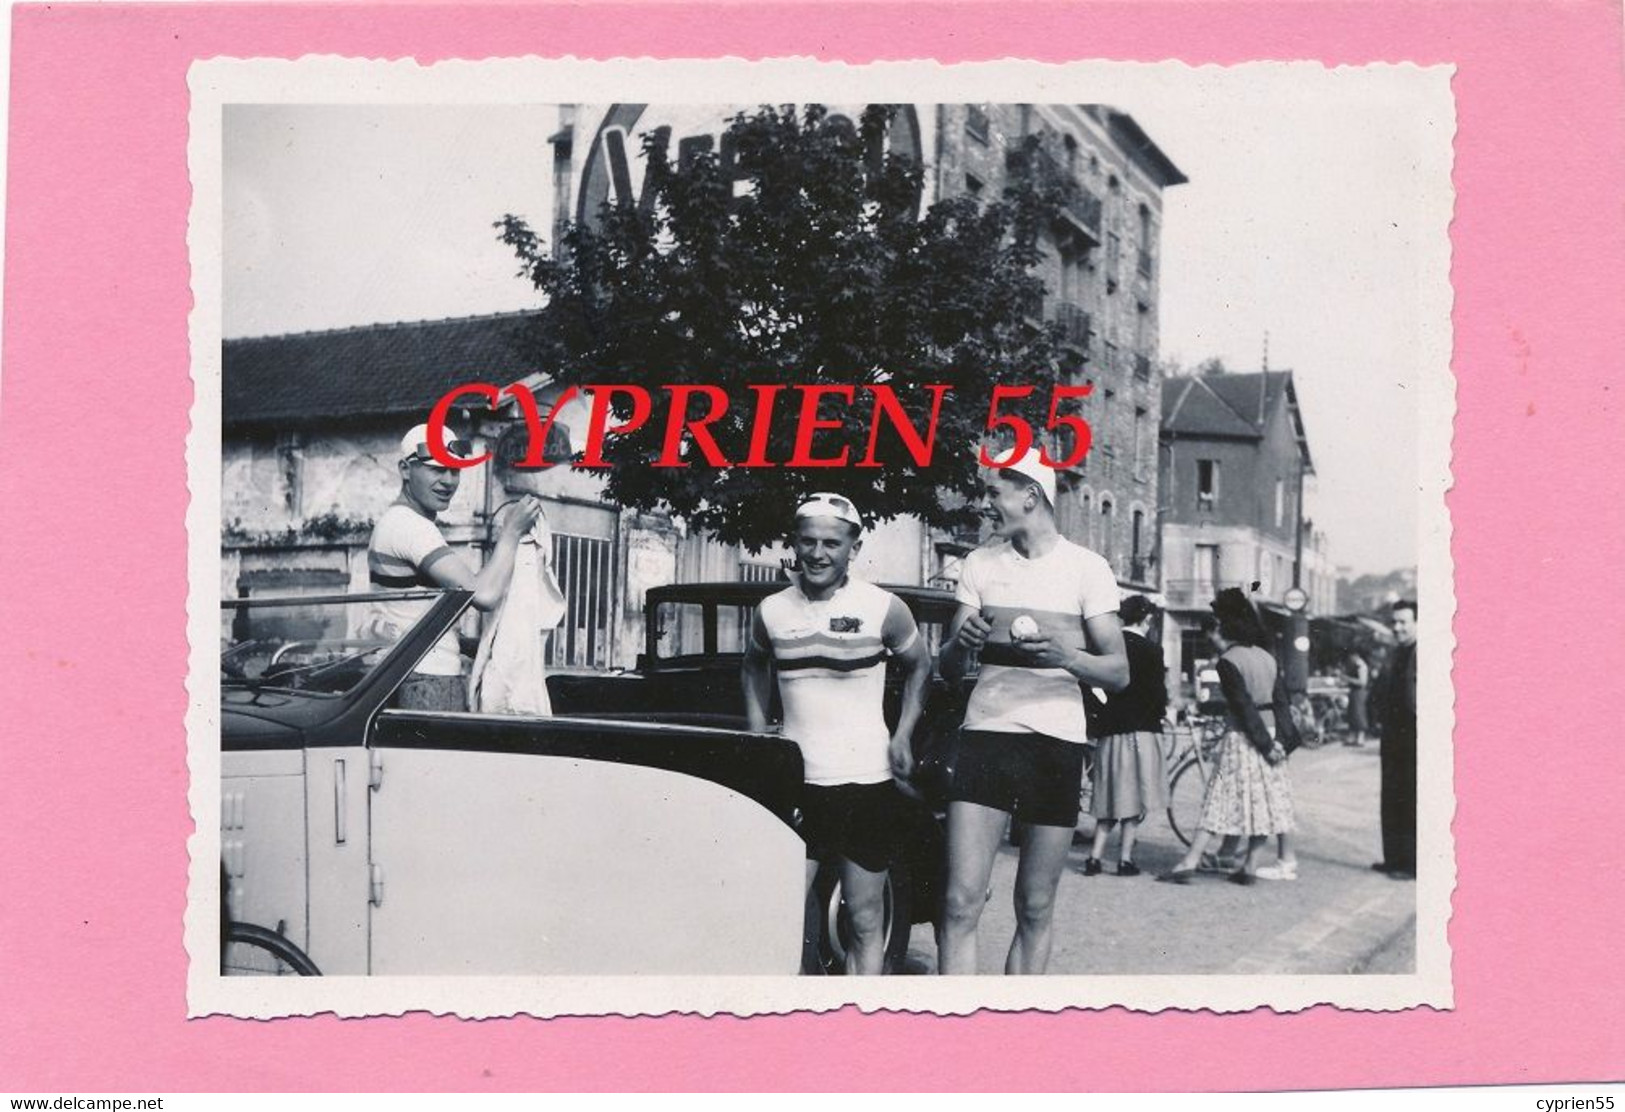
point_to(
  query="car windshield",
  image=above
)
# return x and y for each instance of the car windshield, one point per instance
(325, 645)
(684, 629)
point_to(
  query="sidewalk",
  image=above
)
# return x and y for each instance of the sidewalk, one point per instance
(1340, 917)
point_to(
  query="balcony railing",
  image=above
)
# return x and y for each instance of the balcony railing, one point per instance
(1075, 324)
(1081, 209)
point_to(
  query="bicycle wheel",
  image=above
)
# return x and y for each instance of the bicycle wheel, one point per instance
(1186, 789)
(250, 951)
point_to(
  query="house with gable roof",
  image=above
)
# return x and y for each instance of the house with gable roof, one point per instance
(1233, 465)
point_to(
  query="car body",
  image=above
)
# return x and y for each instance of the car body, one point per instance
(689, 673)
(381, 840)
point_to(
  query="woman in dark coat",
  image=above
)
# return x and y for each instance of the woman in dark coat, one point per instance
(1129, 780)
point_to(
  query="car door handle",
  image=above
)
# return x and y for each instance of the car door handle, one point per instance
(341, 811)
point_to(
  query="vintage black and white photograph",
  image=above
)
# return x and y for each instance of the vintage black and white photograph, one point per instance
(747, 537)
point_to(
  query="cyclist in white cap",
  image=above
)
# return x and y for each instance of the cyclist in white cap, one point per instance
(828, 637)
(408, 550)
(1042, 613)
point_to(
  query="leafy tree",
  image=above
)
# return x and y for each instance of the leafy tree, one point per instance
(822, 272)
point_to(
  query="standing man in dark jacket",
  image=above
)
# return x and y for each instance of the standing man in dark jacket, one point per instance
(1396, 698)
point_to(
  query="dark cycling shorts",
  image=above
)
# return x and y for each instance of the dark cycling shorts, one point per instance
(1034, 777)
(864, 823)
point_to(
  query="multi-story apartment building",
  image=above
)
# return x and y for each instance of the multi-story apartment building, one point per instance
(1101, 270)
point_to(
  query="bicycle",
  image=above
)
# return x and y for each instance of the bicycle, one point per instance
(1193, 751)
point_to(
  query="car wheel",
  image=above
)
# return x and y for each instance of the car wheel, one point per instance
(834, 931)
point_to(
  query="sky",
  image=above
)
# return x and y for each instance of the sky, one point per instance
(1301, 220)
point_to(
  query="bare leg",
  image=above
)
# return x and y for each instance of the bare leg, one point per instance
(812, 923)
(1043, 857)
(1103, 830)
(865, 896)
(974, 832)
(1193, 856)
(1255, 845)
(1284, 850)
(1129, 829)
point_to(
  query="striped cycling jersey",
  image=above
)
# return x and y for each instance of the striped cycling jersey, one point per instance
(1059, 591)
(830, 657)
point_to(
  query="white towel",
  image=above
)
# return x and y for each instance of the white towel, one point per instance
(509, 674)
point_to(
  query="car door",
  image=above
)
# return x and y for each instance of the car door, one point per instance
(563, 846)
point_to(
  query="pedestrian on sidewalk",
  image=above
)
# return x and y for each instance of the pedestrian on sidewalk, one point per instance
(1358, 674)
(1249, 794)
(1396, 702)
(1129, 779)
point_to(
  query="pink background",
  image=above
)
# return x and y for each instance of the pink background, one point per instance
(93, 816)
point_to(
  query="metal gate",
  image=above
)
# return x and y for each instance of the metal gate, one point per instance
(585, 567)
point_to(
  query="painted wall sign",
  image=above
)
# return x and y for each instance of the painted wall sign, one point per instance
(614, 168)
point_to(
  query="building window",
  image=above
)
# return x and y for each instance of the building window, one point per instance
(973, 185)
(1207, 483)
(1139, 437)
(1280, 502)
(1144, 260)
(1137, 568)
(976, 123)
(1108, 445)
(1071, 146)
(1105, 548)
(1206, 577)
(1114, 250)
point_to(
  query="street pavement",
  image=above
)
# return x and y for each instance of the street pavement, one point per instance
(1338, 917)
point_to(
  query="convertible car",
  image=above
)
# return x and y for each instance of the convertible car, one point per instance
(358, 837)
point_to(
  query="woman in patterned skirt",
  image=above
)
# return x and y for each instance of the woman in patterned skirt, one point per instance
(1249, 794)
